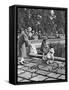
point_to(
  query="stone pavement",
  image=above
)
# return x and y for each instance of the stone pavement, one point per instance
(37, 70)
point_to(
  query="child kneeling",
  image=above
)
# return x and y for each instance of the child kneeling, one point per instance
(49, 57)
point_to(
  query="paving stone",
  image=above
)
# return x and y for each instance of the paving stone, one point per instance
(34, 74)
(48, 68)
(24, 68)
(40, 66)
(54, 75)
(54, 70)
(25, 80)
(50, 79)
(62, 77)
(27, 60)
(55, 65)
(38, 78)
(19, 79)
(44, 63)
(30, 64)
(59, 62)
(36, 60)
(61, 71)
(42, 72)
(62, 65)
(26, 75)
(32, 70)
(20, 66)
(20, 71)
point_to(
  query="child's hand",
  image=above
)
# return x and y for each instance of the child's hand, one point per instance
(44, 57)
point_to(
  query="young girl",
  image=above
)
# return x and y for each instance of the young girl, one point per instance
(44, 47)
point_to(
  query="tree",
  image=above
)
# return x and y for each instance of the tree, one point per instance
(41, 19)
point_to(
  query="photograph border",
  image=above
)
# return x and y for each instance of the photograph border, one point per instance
(16, 27)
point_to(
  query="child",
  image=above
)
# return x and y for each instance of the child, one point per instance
(44, 47)
(49, 57)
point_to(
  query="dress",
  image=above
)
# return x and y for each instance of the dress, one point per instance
(23, 41)
(44, 48)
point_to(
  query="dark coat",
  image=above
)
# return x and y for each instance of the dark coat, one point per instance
(22, 43)
(44, 47)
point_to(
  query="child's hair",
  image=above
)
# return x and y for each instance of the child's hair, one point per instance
(51, 45)
(44, 40)
(43, 43)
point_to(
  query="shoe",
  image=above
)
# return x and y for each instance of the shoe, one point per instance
(22, 60)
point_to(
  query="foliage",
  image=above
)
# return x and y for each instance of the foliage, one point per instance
(39, 19)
